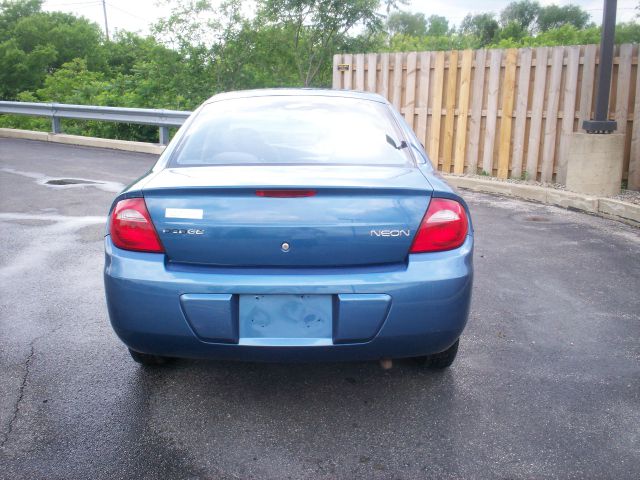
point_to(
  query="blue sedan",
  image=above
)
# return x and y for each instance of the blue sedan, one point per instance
(290, 225)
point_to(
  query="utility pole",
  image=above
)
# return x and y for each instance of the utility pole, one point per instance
(601, 122)
(106, 24)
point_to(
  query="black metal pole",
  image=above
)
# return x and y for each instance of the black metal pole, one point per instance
(601, 122)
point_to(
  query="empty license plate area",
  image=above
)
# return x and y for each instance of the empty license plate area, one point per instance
(287, 320)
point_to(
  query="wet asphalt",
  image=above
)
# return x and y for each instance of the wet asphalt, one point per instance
(546, 384)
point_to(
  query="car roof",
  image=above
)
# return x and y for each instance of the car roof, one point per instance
(297, 92)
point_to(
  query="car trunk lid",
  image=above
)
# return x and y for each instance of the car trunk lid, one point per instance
(287, 216)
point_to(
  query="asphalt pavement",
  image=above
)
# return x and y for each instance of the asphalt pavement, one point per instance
(546, 384)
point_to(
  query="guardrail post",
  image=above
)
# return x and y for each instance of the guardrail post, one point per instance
(164, 135)
(55, 124)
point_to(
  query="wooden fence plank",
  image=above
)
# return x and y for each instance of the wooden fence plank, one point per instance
(568, 110)
(508, 93)
(384, 75)
(450, 111)
(623, 87)
(521, 112)
(634, 158)
(492, 111)
(588, 82)
(397, 82)
(372, 72)
(476, 111)
(348, 75)
(410, 92)
(360, 71)
(537, 107)
(463, 106)
(436, 109)
(536, 113)
(336, 82)
(423, 96)
(551, 122)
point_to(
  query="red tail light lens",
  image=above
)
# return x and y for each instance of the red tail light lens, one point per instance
(131, 227)
(285, 193)
(444, 227)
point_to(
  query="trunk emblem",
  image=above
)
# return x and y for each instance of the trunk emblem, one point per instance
(285, 247)
(390, 233)
(183, 231)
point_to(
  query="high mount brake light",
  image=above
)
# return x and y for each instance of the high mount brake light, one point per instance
(444, 227)
(132, 228)
(285, 193)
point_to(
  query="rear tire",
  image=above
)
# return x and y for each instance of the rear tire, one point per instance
(442, 360)
(149, 360)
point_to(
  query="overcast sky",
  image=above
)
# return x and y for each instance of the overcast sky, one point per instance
(137, 15)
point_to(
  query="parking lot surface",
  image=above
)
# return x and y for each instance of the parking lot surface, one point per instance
(546, 384)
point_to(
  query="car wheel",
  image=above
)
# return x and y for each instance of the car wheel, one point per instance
(440, 360)
(149, 360)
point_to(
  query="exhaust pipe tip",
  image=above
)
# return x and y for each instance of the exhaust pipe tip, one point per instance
(386, 363)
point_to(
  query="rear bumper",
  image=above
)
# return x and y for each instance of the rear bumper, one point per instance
(428, 307)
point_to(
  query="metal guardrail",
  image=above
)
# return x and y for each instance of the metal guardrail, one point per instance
(144, 116)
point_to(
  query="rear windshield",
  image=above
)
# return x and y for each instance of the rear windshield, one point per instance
(292, 130)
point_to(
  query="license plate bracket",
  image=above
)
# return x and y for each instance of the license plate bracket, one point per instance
(285, 319)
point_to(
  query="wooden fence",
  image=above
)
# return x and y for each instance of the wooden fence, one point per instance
(501, 112)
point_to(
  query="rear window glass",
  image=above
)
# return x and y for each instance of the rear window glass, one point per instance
(292, 130)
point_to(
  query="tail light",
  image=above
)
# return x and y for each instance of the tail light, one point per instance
(444, 227)
(285, 193)
(131, 227)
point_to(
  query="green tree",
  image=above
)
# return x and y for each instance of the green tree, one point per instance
(204, 36)
(554, 16)
(34, 43)
(523, 13)
(72, 83)
(437, 26)
(221, 49)
(405, 43)
(11, 11)
(318, 27)
(565, 35)
(483, 27)
(628, 32)
(513, 31)
(21, 70)
(394, 5)
(127, 48)
(407, 23)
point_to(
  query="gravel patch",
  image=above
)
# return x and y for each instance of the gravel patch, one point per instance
(629, 196)
(557, 186)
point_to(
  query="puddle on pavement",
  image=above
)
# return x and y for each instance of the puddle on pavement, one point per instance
(67, 182)
(70, 181)
(543, 217)
(29, 222)
(536, 218)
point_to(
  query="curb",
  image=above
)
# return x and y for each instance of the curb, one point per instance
(628, 213)
(139, 147)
